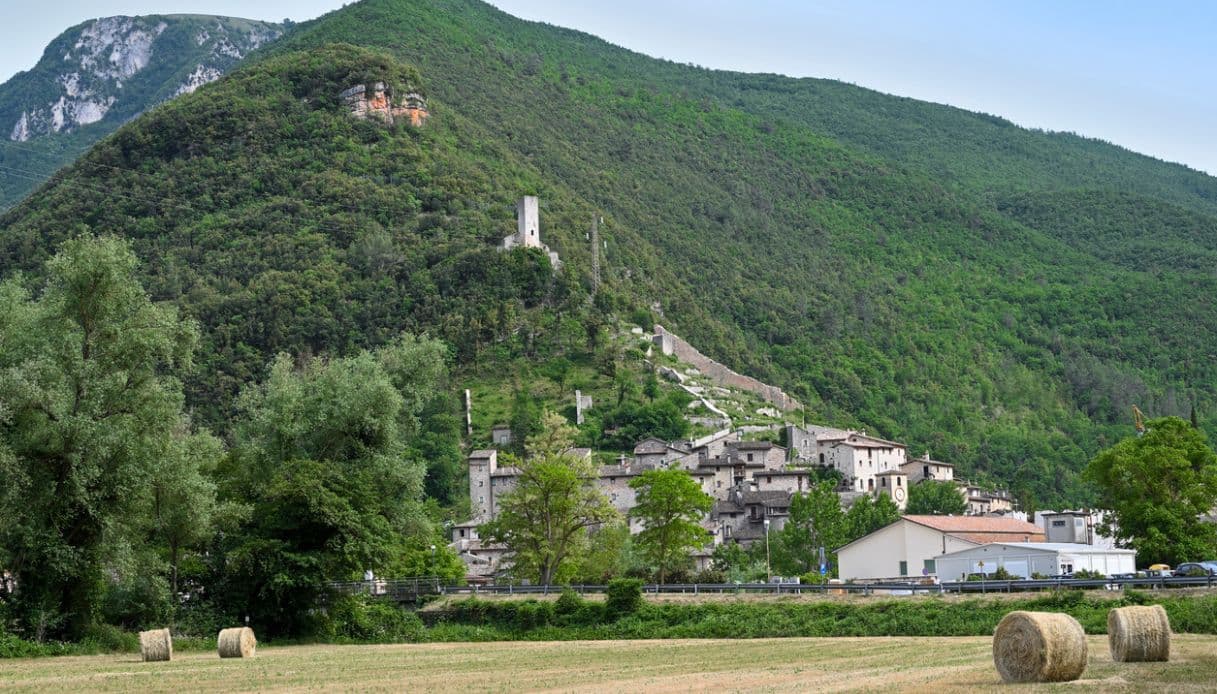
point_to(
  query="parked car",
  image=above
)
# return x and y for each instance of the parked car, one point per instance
(1196, 568)
(1159, 571)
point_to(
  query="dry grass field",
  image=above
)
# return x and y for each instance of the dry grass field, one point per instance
(822, 665)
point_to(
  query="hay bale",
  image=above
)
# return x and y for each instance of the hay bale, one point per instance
(155, 645)
(1139, 634)
(1039, 647)
(238, 642)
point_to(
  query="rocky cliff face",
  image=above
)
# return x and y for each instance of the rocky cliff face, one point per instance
(100, 74)
(91, 68)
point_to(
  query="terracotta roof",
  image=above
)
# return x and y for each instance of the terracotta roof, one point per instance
(978, 530)
(982, 529)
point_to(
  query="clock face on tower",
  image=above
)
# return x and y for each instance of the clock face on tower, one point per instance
(899, 494)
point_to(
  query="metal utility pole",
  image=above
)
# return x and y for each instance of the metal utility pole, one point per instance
(768, 571)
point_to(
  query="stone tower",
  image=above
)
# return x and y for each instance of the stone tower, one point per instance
(482, 464)
(528, 221)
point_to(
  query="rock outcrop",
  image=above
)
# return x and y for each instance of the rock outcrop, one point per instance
(379, 102)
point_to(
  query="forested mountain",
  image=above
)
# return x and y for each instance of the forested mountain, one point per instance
(99, 74)
(996, 295)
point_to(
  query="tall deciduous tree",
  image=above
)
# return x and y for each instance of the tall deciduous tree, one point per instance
(1157, 487)
(90, 403)
(816, 520)
(322, 458)
(546, 517)
(935, 498)
(671, 505)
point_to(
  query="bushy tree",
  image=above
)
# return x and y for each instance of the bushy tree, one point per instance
(322, 459)
(1157, 487)
(545, 519)
(936, 499)
(89, 405)
(868, 514)
(816, 520)
(670, 505)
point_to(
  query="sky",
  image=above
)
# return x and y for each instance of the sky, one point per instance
(1141, 75)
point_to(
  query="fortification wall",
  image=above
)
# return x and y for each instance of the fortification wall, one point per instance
(721, 374)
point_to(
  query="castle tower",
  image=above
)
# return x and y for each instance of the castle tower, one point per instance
(482, 464)
(528, 221)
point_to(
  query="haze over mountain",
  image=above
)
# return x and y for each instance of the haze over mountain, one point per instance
(995, 295)
(98, 75)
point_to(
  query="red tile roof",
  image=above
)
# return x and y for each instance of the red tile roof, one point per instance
(983, 529)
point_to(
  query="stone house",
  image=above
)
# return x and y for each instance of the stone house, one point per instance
(923, 468)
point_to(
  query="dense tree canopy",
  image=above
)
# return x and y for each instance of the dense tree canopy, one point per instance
(671, 505)
(1158, 486)
(90, 407)
(935, 498)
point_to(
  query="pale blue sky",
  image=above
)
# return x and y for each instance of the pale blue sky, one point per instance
(1142, 75)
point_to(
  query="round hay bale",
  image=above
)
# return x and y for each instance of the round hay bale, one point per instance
(1039, 647)
(238, 642)
(1139, 634)
(155, 645)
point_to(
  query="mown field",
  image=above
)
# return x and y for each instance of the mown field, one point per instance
(837, 664)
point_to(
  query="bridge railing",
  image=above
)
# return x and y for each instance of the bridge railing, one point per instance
(414, 588)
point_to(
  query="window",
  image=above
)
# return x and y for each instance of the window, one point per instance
(899, 482)
(883, 482)
(750, 457)
(481, 483)
(804, 443)
(462, 533)
(870, 484)
(1058, 523)
(929, 567)
(904, 568)
(768, 480)
(1066, 568)
(821, 458)
(925, 470)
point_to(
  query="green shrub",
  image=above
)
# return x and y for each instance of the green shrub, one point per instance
(364, 619)
(108, 638)
(568, 603)
(140, 602)
(624, 597)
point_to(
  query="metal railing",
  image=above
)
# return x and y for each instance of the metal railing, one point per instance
(415, 588)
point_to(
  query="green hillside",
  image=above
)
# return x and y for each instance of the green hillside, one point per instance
(947, 279)
(100, 74)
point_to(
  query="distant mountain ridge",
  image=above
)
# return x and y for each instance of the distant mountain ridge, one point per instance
(996, 295)
(102, 73)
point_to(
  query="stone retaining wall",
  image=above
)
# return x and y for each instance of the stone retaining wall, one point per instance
(673, 344)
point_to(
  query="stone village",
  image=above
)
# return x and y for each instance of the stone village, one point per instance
(753, 482)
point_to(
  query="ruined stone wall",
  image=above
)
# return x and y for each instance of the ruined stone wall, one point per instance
(721, 374)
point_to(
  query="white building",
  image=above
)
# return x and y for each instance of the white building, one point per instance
(860, 458)
(1025, 559)
(912, 545)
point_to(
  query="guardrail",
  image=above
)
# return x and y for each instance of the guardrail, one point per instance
(416, 588)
